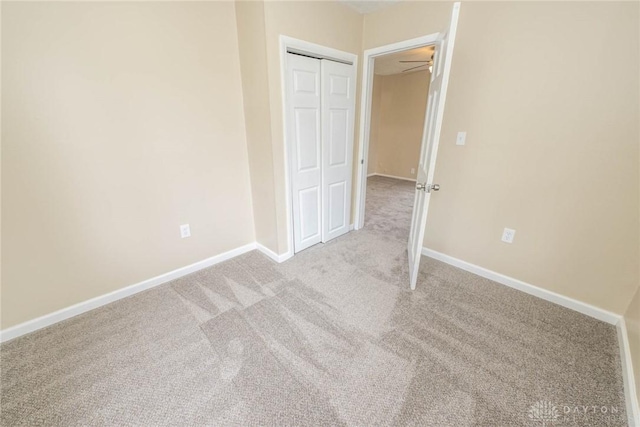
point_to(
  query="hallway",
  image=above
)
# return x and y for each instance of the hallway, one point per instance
(389, 204)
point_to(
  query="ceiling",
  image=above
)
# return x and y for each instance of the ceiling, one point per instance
(368, 6)
(390, 64)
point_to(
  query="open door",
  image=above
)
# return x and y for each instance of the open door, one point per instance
(430, 140)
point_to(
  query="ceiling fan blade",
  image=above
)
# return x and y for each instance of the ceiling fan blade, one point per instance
(416, 61)
(413, 68)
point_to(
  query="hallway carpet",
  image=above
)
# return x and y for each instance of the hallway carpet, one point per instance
(331, 337)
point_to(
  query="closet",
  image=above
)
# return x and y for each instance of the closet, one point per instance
(320, 110)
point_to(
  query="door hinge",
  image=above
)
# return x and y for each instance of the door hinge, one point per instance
(362, 161)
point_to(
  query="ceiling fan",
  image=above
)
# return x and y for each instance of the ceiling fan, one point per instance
(427, 63)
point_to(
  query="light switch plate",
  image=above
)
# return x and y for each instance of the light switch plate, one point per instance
(461, 138)
(185, 231)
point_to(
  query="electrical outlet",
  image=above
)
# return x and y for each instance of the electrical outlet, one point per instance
(185, 231)
(508, 234)
(413, 171)
(460, 140)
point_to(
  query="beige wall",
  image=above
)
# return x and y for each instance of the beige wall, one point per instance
(405, 20)
(121, 122)
(397, 122)
(255, 88)
(632, 321)
(326, 23)
(552, 144)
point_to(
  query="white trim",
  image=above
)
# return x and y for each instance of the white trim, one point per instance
(300, 46)
(631, 397)
(365, 113)
(268, 252)
(351, 227)
(83, 307)
(391, 176)
(581, 307)
(284, 43)
(274, 256)
(606, 316)
(285, 256)
(630, 392)
(317, 50)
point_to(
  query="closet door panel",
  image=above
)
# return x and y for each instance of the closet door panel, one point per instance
(338, 112)
(304, 128)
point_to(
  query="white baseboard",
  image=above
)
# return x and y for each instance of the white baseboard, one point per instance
(82, 307)
(631, 396)
(392, 176)
(274, 256)
(600, 314)
(268, 252)
(630, 392)
(370, 175)
(579, 306)
(285, 256)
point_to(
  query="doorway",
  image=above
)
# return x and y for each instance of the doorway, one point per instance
(443, 43)
(387, 61)
(399, 101)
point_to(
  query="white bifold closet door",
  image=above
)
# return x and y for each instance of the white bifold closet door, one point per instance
(338, 110)
(320, 121)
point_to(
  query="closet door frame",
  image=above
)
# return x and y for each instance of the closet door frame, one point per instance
(292, 45)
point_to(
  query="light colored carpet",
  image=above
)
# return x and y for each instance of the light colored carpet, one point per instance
(331, 337)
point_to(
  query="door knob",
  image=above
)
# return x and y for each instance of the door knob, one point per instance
(427, 188)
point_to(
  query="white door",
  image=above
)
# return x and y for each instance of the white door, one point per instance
(338, 112)
(304, 130)
(430, 140)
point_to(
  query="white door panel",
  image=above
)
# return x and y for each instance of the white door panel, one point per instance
(337, 204)
(306, 122)
(430, 141)
(338, 112)
(304, 133)
(339, 125)
(308, 200)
